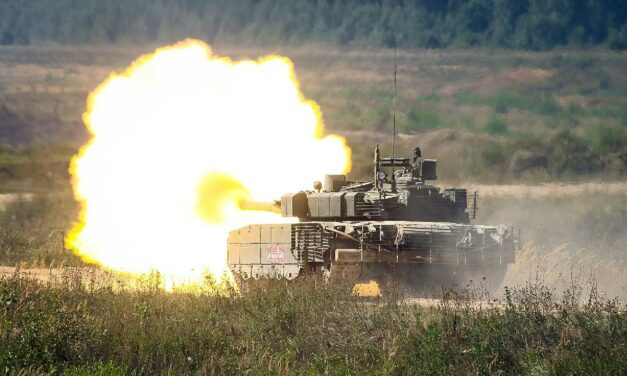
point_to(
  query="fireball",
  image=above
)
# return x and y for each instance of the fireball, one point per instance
(178, 140)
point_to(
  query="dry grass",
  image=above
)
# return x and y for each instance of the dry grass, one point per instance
(305, 327)
(535, 94)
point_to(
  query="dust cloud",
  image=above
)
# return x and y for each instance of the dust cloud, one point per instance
(572, 234)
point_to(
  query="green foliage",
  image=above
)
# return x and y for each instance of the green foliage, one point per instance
(502, 104)
(97, 369)
(569, 154)
(466, 97)
(617, 39)
(496, 125)
(380, 119)
(610, 140)
(421, 120)
(528, 24)
(432, 97)
(544, 105)
(493, 155)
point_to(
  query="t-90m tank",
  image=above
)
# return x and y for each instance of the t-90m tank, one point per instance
(396, 225)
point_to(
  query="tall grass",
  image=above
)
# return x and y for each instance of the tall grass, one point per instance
(32, 230)
(303, 327)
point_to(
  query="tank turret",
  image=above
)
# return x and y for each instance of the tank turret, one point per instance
(398, 192)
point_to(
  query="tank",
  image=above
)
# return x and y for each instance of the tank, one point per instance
(397, 227)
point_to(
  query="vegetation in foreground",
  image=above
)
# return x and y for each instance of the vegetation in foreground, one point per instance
(70, 327)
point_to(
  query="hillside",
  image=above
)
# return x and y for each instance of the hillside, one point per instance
(488, 115)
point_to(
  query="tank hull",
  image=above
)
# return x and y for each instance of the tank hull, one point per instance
(345, 250)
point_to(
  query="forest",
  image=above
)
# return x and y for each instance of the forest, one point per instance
(524, 24)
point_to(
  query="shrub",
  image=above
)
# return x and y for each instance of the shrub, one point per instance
(547, 106)
(496, 126)
(421, 120)
(432, 97)
(610, 140)
(380, 118)
(465, 97)
(502, 104)
(569, 154)
(493, 155)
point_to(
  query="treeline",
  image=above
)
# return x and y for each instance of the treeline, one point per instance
(519, 24)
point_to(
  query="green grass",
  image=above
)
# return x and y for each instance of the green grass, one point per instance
(304, 327)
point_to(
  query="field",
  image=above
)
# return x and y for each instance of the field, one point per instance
(487, 115)
(560, 310)
(495, 120)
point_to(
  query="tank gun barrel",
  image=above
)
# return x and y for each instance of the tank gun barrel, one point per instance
(274, 206)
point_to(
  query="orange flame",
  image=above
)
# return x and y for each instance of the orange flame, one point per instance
(177, 141)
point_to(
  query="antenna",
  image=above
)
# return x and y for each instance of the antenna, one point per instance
(394, 119)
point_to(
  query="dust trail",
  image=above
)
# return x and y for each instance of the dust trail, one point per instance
(561, 268)
(549, 189)
(574, 234)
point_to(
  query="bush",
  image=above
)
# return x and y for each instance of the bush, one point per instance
(502, 104)
(380, 119)
(465, 97)
(610, 140)
(617, 39)
(432, 97)
(421, 120)
(569, 154)
(496, 126)
(547, 106)
(493, 155)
